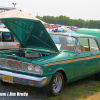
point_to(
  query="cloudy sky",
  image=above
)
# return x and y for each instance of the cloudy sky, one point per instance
(75, 9)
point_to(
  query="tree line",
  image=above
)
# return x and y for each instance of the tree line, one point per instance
(63, 20)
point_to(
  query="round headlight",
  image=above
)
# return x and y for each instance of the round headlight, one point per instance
(38, 70)
(30, 68)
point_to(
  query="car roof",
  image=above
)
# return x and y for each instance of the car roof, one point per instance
(4, 30)
(74, 35)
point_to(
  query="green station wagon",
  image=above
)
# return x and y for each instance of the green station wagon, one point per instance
(48, 60)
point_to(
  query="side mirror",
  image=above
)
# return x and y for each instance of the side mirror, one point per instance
(79, 51)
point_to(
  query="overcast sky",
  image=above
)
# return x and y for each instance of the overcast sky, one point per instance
(75, 9)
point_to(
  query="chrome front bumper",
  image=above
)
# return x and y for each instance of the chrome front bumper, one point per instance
(25, 79)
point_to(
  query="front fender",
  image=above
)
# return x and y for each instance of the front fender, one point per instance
(60, 70)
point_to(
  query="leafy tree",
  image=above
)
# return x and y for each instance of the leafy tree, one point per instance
(63, 20)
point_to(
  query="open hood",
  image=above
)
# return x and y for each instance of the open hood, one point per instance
(30, 33)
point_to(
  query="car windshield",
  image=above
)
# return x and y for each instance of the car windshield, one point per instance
(64, 43)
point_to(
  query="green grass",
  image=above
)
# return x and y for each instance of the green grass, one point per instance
(85, 89)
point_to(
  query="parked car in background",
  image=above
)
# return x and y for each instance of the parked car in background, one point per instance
(45, 60)
(7, 41)
(94, 32)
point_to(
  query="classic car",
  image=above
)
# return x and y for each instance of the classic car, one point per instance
(94, 32)
(7, 41)
(48, 60)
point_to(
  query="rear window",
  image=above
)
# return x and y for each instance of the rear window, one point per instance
(7, 37)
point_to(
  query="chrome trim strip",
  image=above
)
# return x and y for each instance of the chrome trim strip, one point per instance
(68, 61)
(22, 76)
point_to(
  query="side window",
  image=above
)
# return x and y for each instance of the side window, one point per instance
(83, 45)
(93, 45)
(7, 37)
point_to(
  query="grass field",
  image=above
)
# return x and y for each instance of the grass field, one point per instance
(85, 89)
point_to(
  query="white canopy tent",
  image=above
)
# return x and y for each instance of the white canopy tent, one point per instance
(21, 14)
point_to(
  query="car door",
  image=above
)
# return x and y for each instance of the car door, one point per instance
(95, 51)
(84, 63)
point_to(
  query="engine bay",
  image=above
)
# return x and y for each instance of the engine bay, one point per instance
(25, 53)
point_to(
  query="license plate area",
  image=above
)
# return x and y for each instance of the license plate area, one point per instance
(7, 79)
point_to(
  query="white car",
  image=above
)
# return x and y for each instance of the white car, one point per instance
(7, 41)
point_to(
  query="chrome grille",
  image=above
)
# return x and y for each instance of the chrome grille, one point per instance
(13, 64)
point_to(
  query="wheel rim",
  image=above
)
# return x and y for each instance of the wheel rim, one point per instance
(57, 83)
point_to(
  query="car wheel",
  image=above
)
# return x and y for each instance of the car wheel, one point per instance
(55, 86)
(97, 76)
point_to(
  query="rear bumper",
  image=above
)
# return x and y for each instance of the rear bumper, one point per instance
(24, 79)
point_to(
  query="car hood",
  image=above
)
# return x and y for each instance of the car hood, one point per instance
(30, 33)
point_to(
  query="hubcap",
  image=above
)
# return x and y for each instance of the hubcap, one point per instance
(57, 83)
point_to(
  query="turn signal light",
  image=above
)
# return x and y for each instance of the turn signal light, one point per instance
(31, 82)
